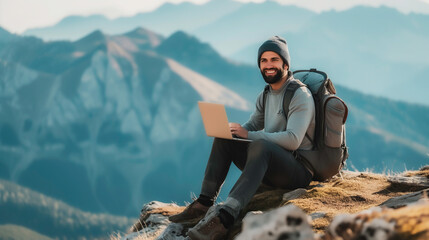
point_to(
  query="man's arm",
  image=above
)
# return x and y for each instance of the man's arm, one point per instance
(301, 113)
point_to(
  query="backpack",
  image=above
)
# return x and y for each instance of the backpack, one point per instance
(329, 151)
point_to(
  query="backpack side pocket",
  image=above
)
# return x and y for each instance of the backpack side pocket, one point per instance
(335, 111)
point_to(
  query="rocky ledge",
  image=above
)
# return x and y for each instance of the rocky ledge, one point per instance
(350, 206)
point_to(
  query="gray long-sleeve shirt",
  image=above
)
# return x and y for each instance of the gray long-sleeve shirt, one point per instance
(271, 124)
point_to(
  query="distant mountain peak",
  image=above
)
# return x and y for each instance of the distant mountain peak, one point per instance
(92, 40)
(188, 43)
(141, 37)
(5, 35)
(224, 2)
(182, 36)
(95, 35)
(76, 18)
(139, 31)
(143, 33)
(188, 50)
(181, 33)
(3, 31)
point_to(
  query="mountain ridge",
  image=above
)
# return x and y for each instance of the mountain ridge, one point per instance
(5, 35)
(54, 218)
(189, 11)
(256, 21)
(377, 41)
(202, 57)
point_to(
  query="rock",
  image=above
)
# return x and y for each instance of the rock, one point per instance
(317, 215)
(424, 168)
(377, 229)
(290, 222)
(351, 193)
(157, 219)
(155, 213)
(154, 225)
(151, 206)
(132, 236)
(413, 181)
(251, 213)
(172, 232)
(378, 223)
(294, 194)
(406, 199)
(319, 185)
(348, 174)
(287, 222)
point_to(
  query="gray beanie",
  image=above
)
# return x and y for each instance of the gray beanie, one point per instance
(278, 45)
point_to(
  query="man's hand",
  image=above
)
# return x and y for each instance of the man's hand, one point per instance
(238, 130)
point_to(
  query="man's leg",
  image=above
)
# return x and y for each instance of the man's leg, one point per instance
(265, 161)
(268, 162)
(223, 152)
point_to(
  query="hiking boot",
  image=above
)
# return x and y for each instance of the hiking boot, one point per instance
(209, 228)
(192, 213)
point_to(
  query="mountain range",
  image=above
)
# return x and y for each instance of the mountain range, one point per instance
(376, 50)
(108, 122)
(88, 121)
(165, 20)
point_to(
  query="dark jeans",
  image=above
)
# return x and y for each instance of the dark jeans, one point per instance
(260, 161)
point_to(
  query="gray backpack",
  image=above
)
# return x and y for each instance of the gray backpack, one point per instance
(330, 152)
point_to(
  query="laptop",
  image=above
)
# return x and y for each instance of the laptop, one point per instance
(216, 122)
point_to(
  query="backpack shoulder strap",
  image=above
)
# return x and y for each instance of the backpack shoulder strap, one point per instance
(290, 91)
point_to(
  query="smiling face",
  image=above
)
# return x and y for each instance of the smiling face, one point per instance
(272, 67)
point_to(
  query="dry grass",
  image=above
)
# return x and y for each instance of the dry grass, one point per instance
(165, 211)
(423, 173)
(413, 222)
(355, 192)
(350, 195)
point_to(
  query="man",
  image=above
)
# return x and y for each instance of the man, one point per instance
(267, 159)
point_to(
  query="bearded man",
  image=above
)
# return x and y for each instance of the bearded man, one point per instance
(268, 159)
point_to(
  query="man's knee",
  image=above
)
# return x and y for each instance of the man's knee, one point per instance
(260, 147)
(223, 145)
(221, 142)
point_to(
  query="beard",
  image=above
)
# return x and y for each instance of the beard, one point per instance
(275, 78)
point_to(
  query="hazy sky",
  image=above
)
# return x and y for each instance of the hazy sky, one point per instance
(18, 15)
